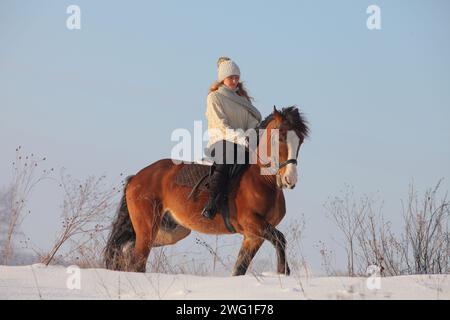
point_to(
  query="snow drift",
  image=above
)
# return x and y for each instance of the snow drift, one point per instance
(56, 282)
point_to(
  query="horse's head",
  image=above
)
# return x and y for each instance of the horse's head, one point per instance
(292, 130)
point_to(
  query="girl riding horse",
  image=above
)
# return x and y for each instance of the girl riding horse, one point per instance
(156, 211)
(229, 110)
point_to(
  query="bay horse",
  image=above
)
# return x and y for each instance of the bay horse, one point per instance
(152, 195)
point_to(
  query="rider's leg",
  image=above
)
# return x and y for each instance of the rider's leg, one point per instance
(218, 179)
(216, 183)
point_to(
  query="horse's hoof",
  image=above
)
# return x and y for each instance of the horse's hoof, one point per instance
(286, 271)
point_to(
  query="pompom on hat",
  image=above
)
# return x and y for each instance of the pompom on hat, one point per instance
(226, 67)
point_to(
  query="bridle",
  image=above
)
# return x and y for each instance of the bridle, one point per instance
(273, 160)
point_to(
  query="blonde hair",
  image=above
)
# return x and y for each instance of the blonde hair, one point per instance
(242, 91)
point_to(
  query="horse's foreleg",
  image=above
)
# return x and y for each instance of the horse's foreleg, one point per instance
(278, 240)
(249, 248)
(257, 226)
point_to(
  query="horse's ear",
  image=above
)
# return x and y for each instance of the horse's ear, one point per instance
(276, 113)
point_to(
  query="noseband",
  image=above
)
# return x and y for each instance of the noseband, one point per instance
(281, 166)
(285, 163)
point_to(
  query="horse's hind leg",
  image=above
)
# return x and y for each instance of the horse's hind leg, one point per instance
(145, 216)
(249, 248)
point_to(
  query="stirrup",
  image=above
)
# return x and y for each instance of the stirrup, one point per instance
(210, 209)
(209, 213)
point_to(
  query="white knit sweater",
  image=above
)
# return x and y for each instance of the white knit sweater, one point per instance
(227, 110)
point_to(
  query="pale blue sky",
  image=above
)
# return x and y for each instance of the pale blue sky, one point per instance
(105, 99)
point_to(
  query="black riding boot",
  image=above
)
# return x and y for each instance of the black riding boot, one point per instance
(217, 181)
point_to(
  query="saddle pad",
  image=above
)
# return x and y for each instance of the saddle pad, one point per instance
(191, 173)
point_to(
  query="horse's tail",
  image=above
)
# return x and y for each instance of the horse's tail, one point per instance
(121, 238)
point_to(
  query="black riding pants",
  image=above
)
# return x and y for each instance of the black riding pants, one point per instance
(226, 154)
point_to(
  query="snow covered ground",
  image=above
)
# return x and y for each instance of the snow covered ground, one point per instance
(56, 282)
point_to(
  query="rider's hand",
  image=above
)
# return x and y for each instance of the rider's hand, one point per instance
(247, 143)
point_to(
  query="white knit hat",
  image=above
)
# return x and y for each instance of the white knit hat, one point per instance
(226, 67)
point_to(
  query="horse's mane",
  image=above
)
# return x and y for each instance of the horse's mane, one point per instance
(294, 120)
